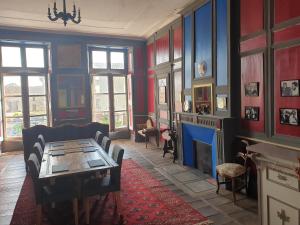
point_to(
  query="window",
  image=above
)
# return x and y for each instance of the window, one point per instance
(35, 57)
(117, 60)
(25, 98)
(99, 59)
(109, 90)
(11, 56)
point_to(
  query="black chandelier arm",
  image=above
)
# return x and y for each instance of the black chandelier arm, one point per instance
(50, 16)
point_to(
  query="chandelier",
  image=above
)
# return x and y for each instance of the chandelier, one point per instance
(64, 15)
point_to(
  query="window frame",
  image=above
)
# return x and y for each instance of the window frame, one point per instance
(110, 73)
(24, 72)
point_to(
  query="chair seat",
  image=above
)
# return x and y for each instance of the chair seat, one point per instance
(230, 170)
(140, 132)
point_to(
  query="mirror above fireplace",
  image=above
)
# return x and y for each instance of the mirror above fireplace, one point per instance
(202, 99)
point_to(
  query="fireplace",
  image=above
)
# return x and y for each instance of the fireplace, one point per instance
(211, 134)
(203, 157)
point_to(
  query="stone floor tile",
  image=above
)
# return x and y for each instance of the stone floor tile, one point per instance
(199, 186)
(186, 176)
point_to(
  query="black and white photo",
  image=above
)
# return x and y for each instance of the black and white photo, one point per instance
(289, 88)
(252, 89)
(251, 113)
(289, 116)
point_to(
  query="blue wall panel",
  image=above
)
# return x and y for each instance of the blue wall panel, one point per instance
(188, 51)
(196, 133)
(203, 38)
(222, 49)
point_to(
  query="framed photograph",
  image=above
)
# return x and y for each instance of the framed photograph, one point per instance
(251, 113)
(252, 89)
(289, 88)
(221, 102)
(289, 116)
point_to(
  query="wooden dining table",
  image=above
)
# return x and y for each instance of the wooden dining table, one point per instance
(74, 157)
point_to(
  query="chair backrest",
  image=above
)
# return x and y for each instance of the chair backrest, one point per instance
(42, 141)
(37, 149)
(105, 144)
(117, 156)
(99, 137)
(246, 155)
(149, 124)
(34, 170)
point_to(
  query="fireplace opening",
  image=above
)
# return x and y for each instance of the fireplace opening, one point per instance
(203, 157)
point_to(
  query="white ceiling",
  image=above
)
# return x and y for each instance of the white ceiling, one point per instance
(129, 18)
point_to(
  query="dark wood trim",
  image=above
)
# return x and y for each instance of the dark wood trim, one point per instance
(252, 35)
(286, 24)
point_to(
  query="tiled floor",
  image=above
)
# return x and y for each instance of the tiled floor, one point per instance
(193, 186)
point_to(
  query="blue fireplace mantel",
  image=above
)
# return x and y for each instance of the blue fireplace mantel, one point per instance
(191, 133)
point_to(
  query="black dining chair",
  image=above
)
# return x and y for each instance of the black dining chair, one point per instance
(37, 149)
(41, 140)
(105, 144)
(108, 184)
(61, 190)
(99, 137)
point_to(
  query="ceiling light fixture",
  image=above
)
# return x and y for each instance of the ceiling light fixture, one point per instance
(64, 15)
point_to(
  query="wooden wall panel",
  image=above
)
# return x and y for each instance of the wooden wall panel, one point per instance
(177, 37)
(188, 51)
(287, 67)
(151, 95)
(252, 16)
(252, 70)
(286, 9)
(163, 49)
(222, 38)
(203, 38)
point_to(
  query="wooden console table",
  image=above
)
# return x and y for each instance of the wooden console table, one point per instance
(278, 184)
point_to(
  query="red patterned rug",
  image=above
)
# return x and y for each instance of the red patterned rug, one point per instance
(145, 200)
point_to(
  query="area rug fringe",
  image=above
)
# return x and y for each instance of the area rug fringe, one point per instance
(208, 222)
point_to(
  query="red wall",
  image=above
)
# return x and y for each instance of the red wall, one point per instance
(286, 9)
(287, 67)
(162, 49)
(252, 70)
(151, 96)
(251, 16)
(177, 42)
(150, 55)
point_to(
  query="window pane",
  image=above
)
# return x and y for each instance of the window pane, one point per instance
(120, 102)
(119, 85)
(35, 57)
(36, 85)
(120, 119)
(117, 60)
(37, 105)
(100, 84)
(13, 106)
(11, 56)
(101, 117)
(99, 59)
(14, 127)
(38, 120)
(101, 103)
(12, 85)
